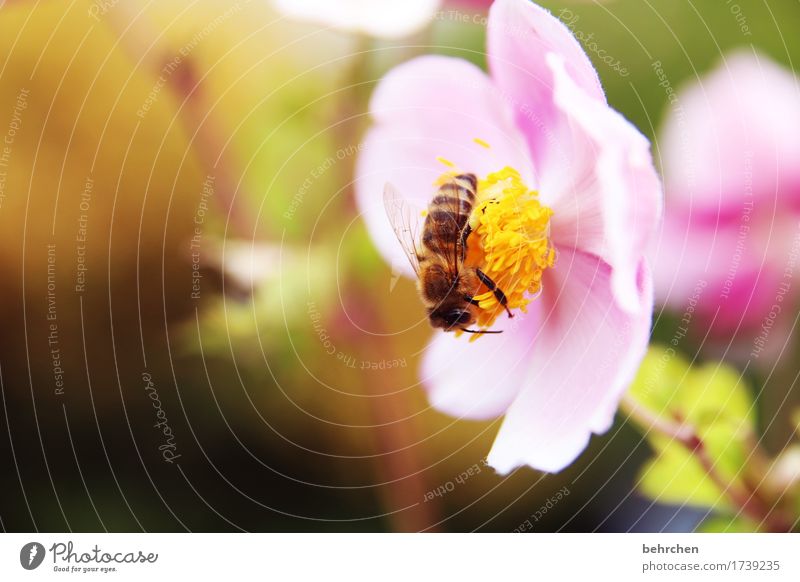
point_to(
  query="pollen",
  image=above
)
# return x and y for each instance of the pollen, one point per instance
(509, 242)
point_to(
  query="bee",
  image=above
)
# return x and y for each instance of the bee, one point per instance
(446, 284)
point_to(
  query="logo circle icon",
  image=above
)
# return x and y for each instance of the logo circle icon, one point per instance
(31, 555)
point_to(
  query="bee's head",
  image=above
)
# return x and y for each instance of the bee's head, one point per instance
(451, 318)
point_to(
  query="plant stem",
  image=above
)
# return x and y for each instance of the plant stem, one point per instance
(745, 499)
(397, 463)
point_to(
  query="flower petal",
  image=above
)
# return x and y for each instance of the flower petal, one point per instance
(613, 204)
(480, 379)
(734, 136)
(520, 36)
(584, 359)
(428, 108)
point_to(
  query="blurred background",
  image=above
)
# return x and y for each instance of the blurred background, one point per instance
(196, 332)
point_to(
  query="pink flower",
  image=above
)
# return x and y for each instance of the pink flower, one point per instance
(731, 150)
(560, 368)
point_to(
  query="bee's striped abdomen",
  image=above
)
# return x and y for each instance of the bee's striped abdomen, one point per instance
(448, 215)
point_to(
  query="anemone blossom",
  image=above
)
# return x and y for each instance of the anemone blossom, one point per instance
(731, 234)
(561, 163)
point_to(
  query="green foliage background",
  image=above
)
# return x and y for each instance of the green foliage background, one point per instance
(276, 433)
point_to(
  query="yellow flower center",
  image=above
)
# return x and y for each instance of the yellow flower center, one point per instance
(509, 242)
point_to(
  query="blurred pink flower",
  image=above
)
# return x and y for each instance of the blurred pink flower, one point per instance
(559, 370)
(731, 157)
(381, 18)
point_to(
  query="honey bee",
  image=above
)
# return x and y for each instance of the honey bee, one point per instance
(446, 284)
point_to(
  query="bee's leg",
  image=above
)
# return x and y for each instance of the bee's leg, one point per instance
(498, 293)
(464, 235)
(471, 299)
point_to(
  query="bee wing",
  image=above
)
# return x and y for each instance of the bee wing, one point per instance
(405, 219)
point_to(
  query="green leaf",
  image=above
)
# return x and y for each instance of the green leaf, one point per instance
(675, 477)
(660, 373)
(702, 395)
(712, 402)
(715, 393)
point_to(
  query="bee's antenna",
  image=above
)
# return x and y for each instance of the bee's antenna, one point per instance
(481, 330)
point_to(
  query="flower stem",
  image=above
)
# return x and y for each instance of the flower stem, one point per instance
(397, 463)
(646, 419)
(745, 499)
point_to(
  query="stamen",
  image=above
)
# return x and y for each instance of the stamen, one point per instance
(509, 243)
(482, 143)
